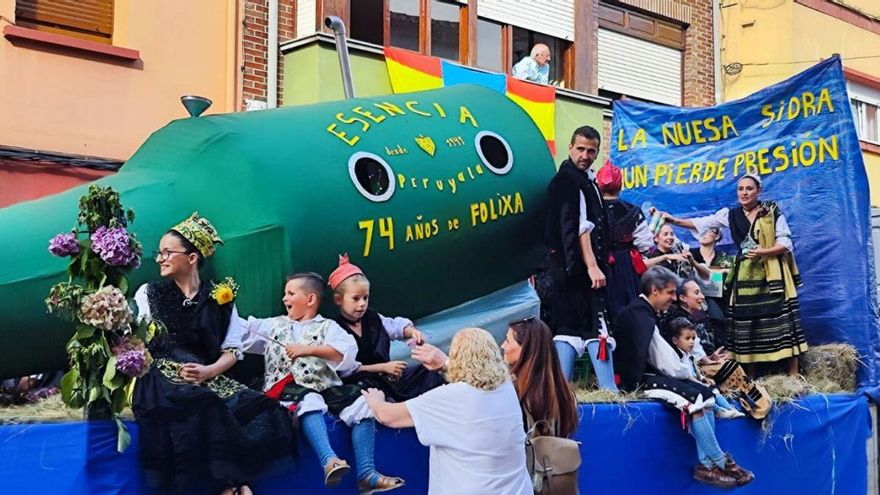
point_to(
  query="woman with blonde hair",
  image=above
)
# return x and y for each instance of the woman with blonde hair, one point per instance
(473, 424)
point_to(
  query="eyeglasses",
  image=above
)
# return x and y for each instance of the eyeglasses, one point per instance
(520, 322)
(165, 254)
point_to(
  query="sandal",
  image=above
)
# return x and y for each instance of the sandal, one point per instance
(334, 471)
(383, 484)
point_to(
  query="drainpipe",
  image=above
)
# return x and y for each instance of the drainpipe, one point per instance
(272, 58)
(716, 43)
(338, 28)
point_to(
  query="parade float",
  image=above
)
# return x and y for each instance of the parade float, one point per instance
(439, 197)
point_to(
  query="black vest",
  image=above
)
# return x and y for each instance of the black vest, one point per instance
(197, 327)
(560, 233)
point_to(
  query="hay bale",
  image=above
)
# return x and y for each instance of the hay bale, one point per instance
(598, 395)
(835, 363)
(49, 409)
(786, 389)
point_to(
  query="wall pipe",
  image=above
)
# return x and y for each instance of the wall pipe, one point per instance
(338, 27)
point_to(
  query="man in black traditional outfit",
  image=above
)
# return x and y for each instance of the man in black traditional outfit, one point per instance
(576, 235)
(647, 361)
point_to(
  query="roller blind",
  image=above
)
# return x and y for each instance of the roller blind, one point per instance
(89, 19)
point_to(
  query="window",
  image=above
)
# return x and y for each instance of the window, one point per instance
(369, 21)
(409, 27)
(489, 46)
(445, 22)
(91, 20)
(656, 44)
(524, 40)
(405, 24)
(867, 120)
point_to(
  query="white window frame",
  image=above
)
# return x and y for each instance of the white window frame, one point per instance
(861, 95)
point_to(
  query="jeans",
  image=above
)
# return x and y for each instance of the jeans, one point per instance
(567, 354)
(604, 369)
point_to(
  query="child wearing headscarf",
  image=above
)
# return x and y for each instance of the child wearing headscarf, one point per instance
(373, 333)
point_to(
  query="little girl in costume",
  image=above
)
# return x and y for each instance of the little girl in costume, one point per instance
(305, 356)
(373, 334)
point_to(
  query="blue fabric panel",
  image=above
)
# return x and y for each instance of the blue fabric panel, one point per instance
(458, 74)
(816, 446)
(799, 135)
(491, 312)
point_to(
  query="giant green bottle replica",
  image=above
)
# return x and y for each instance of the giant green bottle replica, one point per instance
(439, 196)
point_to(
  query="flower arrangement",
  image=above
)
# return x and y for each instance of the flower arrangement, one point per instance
(225, 291)
(108, 350)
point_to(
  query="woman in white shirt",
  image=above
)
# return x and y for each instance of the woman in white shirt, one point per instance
(473, 425)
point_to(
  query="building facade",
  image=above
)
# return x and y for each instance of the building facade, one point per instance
(654, 50)
(85, 83)
(765, 42)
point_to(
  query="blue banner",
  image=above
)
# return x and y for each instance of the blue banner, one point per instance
(799, 136)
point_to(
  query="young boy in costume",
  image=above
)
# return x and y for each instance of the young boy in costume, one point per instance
(305, 356)
(682, 335)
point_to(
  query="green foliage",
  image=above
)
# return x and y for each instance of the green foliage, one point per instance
(94, 382)
(101, 206)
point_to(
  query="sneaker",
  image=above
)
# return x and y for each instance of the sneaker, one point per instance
(714, 477)
(728, 414)
(742, 476)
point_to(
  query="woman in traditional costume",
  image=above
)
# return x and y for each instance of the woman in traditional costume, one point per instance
(629, 238)
(763, 303)
(671, 254)
(197, 425)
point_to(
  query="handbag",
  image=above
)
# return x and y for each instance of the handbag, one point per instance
(552, 462)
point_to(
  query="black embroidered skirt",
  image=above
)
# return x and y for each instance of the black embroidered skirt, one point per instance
(415, 381)
(221, 432)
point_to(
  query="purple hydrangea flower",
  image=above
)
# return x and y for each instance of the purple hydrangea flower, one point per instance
(113, 245)
(63, 245)
(132, 363)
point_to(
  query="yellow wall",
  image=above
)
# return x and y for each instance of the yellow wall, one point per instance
(870, 7)
(756, 36)
(872, 166)
(65, 102)
(770, 31)
(826, 36)
(773, 31)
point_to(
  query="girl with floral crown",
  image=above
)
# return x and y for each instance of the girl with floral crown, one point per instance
(196, 423)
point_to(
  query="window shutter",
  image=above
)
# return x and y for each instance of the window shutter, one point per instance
(88, 19)
(639, 68)
(551, 17)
